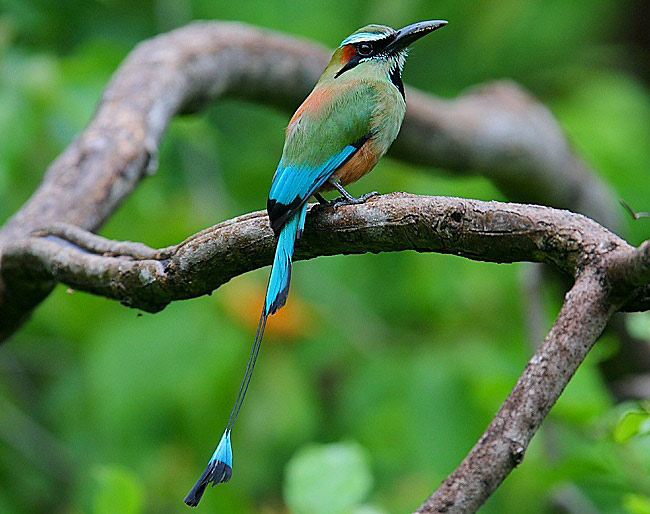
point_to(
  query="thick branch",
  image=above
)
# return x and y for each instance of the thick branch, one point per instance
(488, 231)
(149, 279)
(581, 320)
(496, 130)
(633, 269)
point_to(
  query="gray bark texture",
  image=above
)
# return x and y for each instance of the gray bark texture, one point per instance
(497, 130)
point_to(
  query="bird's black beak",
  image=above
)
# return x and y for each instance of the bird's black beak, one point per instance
(407, 35)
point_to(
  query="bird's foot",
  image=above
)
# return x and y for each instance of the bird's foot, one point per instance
(350, 200)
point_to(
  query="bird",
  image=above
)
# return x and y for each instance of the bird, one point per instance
(336, 136)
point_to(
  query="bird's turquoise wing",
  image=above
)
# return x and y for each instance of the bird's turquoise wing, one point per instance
(318, 142)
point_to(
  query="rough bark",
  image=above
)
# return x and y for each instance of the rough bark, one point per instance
(580, 322)
(149, 279)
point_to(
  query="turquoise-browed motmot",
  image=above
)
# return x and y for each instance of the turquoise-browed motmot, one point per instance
(335, 137)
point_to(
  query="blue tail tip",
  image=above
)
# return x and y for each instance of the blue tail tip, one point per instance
(218, 470)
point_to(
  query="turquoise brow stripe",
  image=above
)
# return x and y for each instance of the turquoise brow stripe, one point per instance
(362, 36)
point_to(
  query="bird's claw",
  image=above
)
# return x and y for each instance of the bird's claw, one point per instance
(342, 200)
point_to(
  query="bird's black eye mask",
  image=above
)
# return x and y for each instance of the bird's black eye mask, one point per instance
(365, 50)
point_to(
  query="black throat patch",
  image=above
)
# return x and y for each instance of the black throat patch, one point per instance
(396, 79)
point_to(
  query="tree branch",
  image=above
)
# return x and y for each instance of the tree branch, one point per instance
(580, 322)
(633, 269)
(488, 231)
(497, 130)
(149, 279)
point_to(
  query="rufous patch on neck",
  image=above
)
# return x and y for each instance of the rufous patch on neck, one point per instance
(317, 99)
(312, 103)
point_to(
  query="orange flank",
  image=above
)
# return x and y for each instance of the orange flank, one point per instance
(347, 53)
(360, 164)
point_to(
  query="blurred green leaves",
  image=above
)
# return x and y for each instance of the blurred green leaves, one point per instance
(327, 479)
(636, 504)
(638, 323)
(118, 490)
(632, 423)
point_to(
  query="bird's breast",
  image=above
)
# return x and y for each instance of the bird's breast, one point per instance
(385, 124)
(388, 116)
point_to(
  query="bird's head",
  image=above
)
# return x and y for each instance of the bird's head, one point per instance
(377, 51)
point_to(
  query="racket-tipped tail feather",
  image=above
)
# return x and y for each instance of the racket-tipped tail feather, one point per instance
(218, 470)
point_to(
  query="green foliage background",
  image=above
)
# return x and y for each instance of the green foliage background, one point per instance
(396, 362)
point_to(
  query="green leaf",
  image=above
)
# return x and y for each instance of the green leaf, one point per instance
(119, 491)
(630, 425)
(638, 323)
(332, 478)
(636, 504)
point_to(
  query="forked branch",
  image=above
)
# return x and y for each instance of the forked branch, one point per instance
(607, 273)
(497, 130)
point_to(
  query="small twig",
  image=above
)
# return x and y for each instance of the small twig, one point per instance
(635, 215)
(94, 244)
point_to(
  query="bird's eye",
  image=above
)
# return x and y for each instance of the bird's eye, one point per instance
(365, 49)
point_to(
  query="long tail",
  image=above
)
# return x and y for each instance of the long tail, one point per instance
(219, 468)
